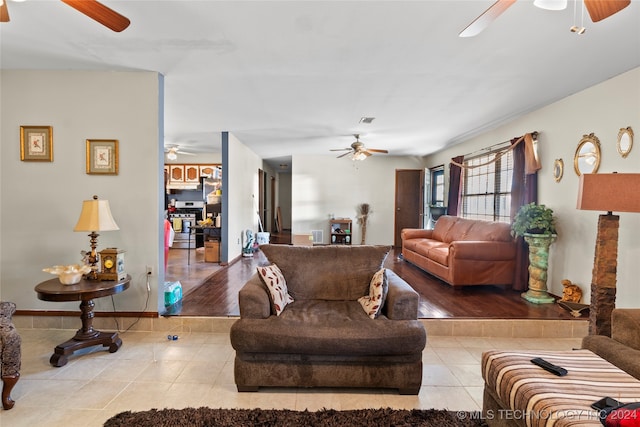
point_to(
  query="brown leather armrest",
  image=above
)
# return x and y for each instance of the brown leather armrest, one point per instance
(482, 250)
(413, 233)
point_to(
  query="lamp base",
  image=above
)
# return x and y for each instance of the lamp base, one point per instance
(538, 297)
(92, 275)
(603, 280)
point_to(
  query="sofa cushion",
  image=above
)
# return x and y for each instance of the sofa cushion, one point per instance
(378, 288)
(328, 327)
(440, 255)
(276, 284)
(443, 225)
(333, 272)
(490, 231)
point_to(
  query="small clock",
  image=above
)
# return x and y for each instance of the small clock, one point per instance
(112, 264)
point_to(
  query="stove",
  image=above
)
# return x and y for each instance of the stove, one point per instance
(185, 216)
(181, 204)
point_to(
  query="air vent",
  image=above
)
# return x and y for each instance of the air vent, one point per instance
(367, 120)
(318, 236)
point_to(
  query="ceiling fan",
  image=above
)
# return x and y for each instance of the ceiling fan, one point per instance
(598, 10)
(173, 151)
(358, 151)
(92, 8)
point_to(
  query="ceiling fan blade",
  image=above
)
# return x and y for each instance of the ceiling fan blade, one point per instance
(4, 12)
(101, 13)
(375, 150)
(601, 9)
(340, 149)
(342, 155)
(487, 17)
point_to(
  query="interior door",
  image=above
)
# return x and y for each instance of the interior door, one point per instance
(262, 200)
(409, 201)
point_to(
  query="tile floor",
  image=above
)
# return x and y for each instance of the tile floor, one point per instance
(150, 371)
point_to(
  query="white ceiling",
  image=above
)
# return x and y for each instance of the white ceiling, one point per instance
(289, 77)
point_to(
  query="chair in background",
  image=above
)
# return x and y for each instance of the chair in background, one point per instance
(10, 343)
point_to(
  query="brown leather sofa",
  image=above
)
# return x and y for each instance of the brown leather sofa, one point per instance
(463, 251)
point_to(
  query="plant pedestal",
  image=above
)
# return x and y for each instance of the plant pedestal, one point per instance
(538, 264)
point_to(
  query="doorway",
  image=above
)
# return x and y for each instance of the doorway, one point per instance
(409, 201)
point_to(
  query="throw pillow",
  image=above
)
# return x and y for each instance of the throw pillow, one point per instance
(274, 280)
(372, 303)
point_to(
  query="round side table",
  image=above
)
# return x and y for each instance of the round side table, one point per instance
(84, 291)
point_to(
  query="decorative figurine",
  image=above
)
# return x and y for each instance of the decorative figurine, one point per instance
(571, 292)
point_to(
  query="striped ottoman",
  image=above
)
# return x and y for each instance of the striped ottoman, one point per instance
(519, 393)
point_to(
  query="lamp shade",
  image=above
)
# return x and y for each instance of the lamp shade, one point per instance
(96, 216)
(610, 192)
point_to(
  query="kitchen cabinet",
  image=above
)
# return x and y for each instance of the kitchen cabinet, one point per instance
(191, 173)
(176, 173)
(340, 231)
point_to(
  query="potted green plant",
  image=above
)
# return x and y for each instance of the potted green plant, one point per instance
(536, 224)
(533, 219)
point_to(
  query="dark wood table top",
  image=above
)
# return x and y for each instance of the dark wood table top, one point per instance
(53, 290)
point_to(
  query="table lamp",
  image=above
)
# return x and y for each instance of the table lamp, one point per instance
(611, 192)
(95, 216)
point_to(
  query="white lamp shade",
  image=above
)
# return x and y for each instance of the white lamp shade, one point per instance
(96, 216)
(551, 4)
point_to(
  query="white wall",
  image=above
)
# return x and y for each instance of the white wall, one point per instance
(324, 185)
(41, 201)
(603, 110)
(241, 186)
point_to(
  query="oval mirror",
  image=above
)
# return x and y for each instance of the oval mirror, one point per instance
(558, 169)
(625, 141)
(587, 158)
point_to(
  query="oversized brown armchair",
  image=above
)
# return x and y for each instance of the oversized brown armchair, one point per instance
(10, 343)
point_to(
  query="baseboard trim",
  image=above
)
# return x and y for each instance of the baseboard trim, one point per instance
(38, 313)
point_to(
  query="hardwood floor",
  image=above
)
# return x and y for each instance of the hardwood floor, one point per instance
(218, 296)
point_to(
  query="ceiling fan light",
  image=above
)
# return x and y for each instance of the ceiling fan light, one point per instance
(551, 4)
(171, 155)
(359, 156)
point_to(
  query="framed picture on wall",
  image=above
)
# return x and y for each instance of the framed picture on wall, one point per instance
(102, 156)
(36, 143)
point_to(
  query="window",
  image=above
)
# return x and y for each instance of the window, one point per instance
(486, 192)
(437, 186)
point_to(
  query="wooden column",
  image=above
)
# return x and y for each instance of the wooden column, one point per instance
(603, 281)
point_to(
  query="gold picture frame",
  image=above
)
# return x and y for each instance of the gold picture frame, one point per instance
(102, 156)
(587, 157)
(625, 141)
(558, 169)
(36, 143)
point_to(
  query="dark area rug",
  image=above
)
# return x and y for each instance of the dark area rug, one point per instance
(328, 417)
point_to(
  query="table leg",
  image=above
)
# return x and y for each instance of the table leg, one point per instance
(85, 337)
